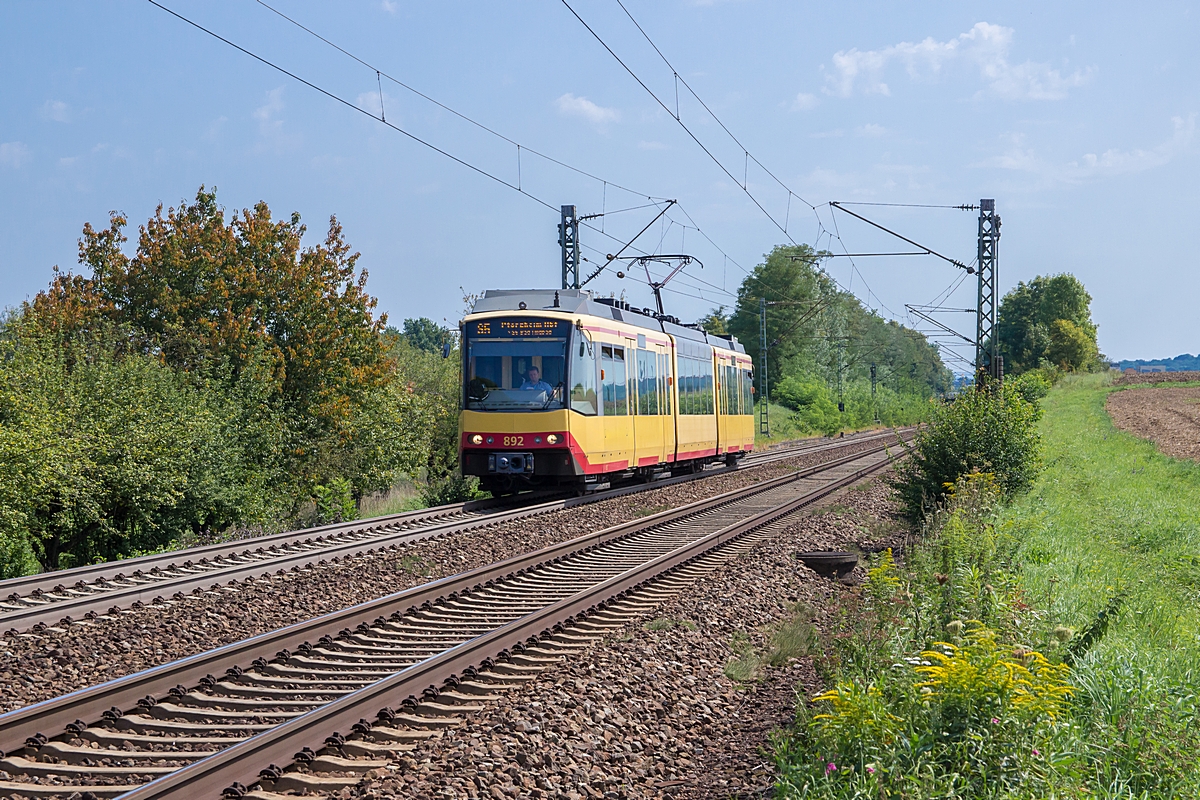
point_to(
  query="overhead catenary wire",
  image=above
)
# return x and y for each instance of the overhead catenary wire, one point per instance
(447, 108)
(745, 151)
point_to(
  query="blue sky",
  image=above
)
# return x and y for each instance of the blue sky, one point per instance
(1079, 119)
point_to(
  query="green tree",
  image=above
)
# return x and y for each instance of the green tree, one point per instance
(716, 321)
(425, 334)
(1047, 320)
(796, 293)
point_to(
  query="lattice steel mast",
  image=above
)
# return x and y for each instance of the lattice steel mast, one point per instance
(987, 343)
(568, 238)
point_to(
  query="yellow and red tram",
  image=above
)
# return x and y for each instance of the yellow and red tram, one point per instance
(562, 388)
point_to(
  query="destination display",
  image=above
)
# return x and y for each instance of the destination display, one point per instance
(519, 328)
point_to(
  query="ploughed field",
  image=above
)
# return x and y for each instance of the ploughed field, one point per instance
(1169, 416)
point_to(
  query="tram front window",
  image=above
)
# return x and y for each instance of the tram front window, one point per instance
(516, 364)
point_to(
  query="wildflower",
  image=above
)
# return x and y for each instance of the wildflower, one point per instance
(1036, 752)
(830, 767)
(995, 721)
(870, 769)
(954, 627)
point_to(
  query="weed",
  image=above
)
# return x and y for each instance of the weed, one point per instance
(414, 565)
(744, 665)
(667, 623)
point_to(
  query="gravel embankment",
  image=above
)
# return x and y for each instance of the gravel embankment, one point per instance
(35, 667)
(650, 713)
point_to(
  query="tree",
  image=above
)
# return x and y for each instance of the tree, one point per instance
(716, 321)
(796, 293)
(1047, 320)
(425, 334)
(210, 296)
(218, 375)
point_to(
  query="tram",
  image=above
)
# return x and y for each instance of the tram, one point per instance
(561, 388)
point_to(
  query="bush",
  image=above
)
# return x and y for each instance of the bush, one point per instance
(986, 429)
(1032, 386)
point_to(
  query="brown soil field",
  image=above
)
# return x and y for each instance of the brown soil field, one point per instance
(1169, 416)
(1155, 377)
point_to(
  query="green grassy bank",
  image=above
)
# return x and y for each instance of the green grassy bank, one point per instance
(1081, 678)
(1112, 523)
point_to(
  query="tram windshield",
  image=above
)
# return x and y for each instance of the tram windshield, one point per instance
(516, 364)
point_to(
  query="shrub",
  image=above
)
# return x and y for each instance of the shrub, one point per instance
(1032, 386)
(986, 429)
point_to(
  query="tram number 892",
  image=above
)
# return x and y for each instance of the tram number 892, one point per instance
(514, 441)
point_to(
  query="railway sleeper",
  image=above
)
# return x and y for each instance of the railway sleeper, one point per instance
(45, 769)
(216, 702)
(73, 754)
(35, 791)
(138, 722)
(106, 736)
(258, 689)
(171, 711)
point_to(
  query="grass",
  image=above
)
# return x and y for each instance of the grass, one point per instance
(402, 497)
(1096, 568)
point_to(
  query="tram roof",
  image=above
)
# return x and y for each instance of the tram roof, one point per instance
(581, 301)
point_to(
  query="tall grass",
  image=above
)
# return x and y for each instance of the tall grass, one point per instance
(1049, 648)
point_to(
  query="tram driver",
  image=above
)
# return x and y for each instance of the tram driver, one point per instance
(533, 382)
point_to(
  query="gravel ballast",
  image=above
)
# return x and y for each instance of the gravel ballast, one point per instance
(649, 711)
(38, 666)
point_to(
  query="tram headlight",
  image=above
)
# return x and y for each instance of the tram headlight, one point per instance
(552, 438)
(477, 439)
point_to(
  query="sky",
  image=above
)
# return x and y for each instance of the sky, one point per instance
(1078, 119)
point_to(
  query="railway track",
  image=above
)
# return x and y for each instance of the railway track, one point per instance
(304, 696)
(93, 591)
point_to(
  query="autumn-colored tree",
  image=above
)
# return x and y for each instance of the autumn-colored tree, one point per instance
(211, 296)
(220, 374)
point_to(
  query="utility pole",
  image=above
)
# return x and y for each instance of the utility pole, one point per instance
(568, 238)
(987, 343)
(874, 407)
(764, 420)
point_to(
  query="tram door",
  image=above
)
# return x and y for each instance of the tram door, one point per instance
(651, 426)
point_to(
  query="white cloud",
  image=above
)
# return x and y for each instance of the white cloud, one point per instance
(56, 111)
(388, 6)
(1110, 163)
(805, 102)
(986, 46)
(582, 107)
(265, 114)
(13, 154)
(652, 146)
(871, 130)
(213, 131)
(270, 125)
(371, 103)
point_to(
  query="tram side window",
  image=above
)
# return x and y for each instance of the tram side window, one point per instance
(706, 386)
(583, 380)
(612, 367)
(664, 382)
(747, 391)
(729, 398)
(685, 386)
(647, 371)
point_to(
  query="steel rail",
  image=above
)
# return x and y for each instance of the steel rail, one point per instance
(54, 714)
(414, 526)
(242, 762)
